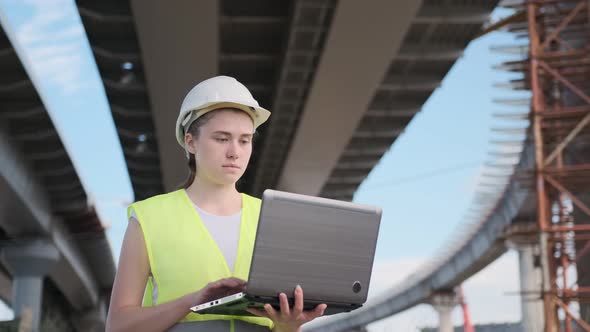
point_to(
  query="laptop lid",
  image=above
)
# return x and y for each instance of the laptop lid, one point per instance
(326, 246)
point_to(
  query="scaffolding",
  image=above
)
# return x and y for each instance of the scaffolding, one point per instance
(557, 72)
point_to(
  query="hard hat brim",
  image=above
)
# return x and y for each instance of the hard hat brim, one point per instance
(258, 114)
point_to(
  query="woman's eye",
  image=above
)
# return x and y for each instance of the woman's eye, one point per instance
(245, 141)
(221, 139)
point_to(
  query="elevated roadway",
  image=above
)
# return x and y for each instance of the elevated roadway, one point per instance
(342, 78)
(50, 238)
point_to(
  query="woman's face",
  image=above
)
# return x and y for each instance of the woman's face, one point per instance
(223, 147)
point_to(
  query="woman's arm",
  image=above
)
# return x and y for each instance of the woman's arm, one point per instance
(126, 312)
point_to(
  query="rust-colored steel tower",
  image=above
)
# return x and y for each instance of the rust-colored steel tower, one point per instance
(557, 72)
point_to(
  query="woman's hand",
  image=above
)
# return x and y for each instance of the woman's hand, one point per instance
(218, 289)
(290, 319)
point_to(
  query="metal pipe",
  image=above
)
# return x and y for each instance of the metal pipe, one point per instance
(542, 199)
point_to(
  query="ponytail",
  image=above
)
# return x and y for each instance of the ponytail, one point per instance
(192, 167)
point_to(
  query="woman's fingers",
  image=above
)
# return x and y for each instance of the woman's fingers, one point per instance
(229, 285)
(284, 302)
(288, 316)
(222, 288)
(233, 282)
(270, 312)
(319, 310)
(298, 307)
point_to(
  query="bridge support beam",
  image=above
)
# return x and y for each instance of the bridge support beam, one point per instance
(444, 303)
(29, 261)
(531, 301)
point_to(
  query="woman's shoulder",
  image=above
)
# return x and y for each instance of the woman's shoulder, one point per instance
(160, 199)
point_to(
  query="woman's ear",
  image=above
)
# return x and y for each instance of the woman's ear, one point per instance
(189, 143)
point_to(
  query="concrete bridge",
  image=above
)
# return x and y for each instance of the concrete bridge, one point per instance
(342, 78)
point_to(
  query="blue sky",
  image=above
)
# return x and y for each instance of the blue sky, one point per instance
(428, 177)
(425, 182)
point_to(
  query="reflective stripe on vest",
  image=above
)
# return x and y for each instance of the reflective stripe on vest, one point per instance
(183, 256)
(217, 326)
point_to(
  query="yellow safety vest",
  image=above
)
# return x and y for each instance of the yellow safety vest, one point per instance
(183, 256)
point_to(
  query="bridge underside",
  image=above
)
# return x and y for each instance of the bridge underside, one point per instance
(333, 117)
(42, 199)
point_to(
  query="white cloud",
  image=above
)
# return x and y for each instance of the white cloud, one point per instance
(388, 274)
(44, 18)
(54, 42)
(410, 320)
(52, 51)
(493, 294)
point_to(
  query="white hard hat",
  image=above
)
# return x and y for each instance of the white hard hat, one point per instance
(215, 93)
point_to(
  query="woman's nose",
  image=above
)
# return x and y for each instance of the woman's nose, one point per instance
(232, 151)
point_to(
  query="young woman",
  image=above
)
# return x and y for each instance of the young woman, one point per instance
(195, 244)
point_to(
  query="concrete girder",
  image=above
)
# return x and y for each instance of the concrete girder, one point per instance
(7, 51)
(347, 179)
(363, 163)
(49, 155)
(309, 22)
(413, 83)
(57, 171)
(130, 113)
(128, 56)
(394, 112)
(369, 151)
(337, 99)
(47, 133)
(111, 18)
(22, 114)
(429, 52)
(174, 65)
(12, 86)
(248, 57)
(21, 195)
(250, 20)
(341, 192)
(384, 133)
(111, 84)
(452, 15)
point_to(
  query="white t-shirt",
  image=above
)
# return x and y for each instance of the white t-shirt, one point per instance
(225, 231)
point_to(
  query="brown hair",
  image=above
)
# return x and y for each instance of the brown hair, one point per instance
(195, 129)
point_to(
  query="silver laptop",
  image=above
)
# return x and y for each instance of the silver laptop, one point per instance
(326, 246)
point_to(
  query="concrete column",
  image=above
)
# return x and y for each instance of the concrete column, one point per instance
(29, 262)
(444, 303)
(531, 283)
